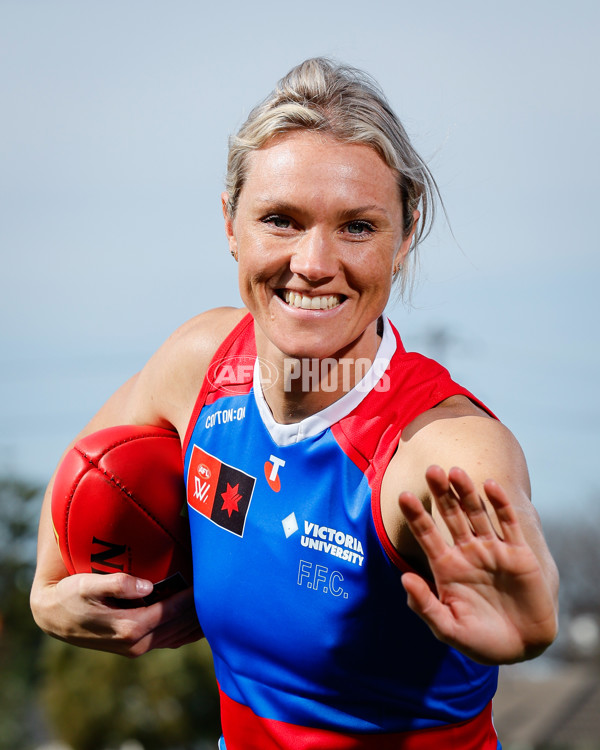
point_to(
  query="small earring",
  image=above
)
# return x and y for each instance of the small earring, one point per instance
(397, 268)
(234, 254)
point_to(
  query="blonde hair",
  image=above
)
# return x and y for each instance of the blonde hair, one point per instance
(346, 103)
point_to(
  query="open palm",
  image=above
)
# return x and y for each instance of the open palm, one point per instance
(490, 598)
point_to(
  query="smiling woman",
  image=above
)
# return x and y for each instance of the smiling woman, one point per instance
(321, 221)
(310, 437)
(347, 104)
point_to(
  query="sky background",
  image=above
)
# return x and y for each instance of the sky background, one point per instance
(113, 140)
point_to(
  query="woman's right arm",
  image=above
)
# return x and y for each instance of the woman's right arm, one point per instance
(80, 608)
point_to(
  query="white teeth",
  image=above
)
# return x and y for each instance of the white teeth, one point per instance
(311, 303)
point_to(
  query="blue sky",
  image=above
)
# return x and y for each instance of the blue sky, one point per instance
(113, 142)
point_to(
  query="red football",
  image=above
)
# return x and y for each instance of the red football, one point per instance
(118, 504)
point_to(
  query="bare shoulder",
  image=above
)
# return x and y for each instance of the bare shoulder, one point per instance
(197, 340)
(164, 392)
(457, 432)
(446, 414)
(175, 373)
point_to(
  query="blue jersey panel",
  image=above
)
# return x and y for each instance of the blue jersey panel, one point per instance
(304, 612)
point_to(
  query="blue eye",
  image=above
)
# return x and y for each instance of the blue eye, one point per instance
(280, 222)
(359, 227)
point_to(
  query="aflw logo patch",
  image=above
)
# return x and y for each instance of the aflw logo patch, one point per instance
(220, 492)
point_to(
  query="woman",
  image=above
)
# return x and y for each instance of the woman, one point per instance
(336, 499)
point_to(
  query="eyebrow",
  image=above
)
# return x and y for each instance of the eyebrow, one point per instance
(278, 206)
(354, 213)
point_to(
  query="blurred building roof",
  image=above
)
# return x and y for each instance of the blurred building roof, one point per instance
(552, 705)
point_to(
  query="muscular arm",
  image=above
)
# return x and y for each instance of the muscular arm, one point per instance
(481, 543)
(75, 608)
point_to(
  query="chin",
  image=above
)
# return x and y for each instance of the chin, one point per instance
(305, 349)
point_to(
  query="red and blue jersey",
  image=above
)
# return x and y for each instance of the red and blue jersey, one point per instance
(297, 584)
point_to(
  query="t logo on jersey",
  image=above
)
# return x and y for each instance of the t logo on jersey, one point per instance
(220, 492)
(272, 467)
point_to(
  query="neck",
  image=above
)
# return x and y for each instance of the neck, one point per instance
(307, 385)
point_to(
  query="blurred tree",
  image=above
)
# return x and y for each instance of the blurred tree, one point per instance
(20, 639)
(165, 699)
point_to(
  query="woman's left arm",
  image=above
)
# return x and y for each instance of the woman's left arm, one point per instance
(495, 593)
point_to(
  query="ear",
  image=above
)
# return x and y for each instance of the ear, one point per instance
(229, 232)
(406, 242)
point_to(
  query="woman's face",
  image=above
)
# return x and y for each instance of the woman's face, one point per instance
(317, 231)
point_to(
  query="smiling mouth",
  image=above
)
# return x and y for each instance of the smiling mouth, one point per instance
(326, 302)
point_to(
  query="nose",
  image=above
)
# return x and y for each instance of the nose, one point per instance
(314, 256)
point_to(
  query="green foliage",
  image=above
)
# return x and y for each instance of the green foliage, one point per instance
(165, 699)
(20, 638)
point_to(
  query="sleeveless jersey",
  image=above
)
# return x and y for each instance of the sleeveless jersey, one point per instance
(297, 585)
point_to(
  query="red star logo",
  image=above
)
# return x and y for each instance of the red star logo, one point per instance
(231, 498)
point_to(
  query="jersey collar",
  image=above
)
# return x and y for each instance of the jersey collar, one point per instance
(288, 434)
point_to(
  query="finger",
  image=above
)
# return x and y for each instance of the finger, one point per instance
(178, 605)
(448, 505)
(163, 624)
(422, 526)
(505, 512)
(171, 612)
(196, 635)
(425, 604)
(169, 623)
(169, 635)
(472, 504)
(173, 637)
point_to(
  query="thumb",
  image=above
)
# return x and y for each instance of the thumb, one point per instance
(424, 602)
(117, 586)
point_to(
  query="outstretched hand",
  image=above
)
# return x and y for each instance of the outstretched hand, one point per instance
(491, 599)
